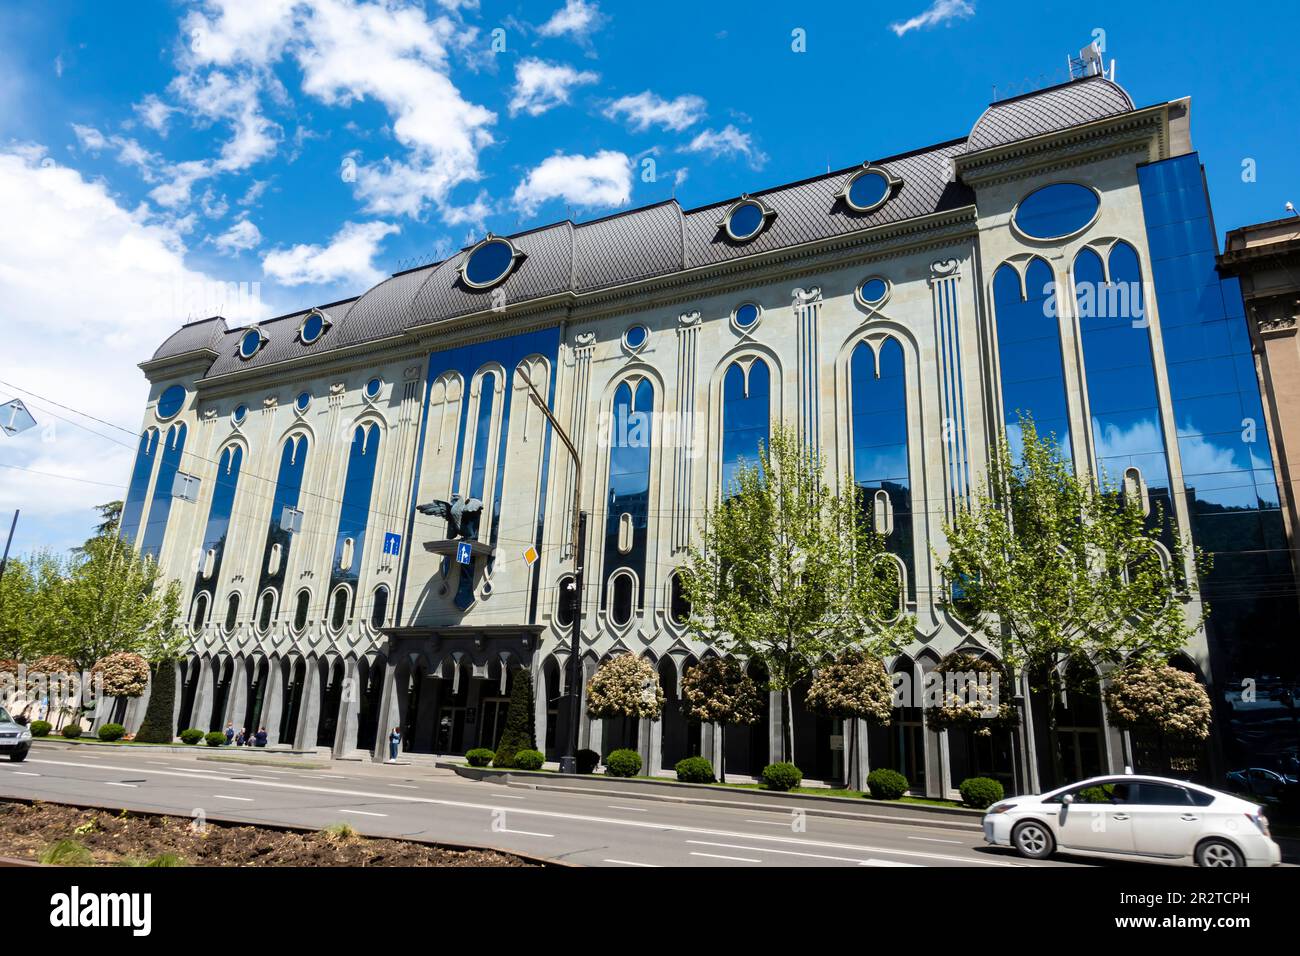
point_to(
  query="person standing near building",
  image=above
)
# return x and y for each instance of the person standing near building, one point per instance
(261, 737)
(230, 733)
(394, 741)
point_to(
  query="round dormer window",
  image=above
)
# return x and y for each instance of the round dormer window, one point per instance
(488, 263)
(745, 221)
(867, 190)
(250, 343)
(372, 388)
(171, 401)
(303, 401)
(312, 328)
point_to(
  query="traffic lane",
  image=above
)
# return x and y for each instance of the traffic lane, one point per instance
(574, 827)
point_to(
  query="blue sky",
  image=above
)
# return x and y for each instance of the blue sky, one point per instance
(149, 161)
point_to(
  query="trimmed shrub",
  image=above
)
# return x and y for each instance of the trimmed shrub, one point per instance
(191, 736)
(479, 757)
(41, 728)
(587, 761)
(518, 734)
(157, 726)
(214, 739)
(124, 674)
(695, 770)
(530, 759)
(112, 732)
(886, 784)
(625, 686)
(782, 776)
(72, 731)
(623, 763)
(981, 792)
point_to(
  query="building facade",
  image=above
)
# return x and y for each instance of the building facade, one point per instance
(1058, 260)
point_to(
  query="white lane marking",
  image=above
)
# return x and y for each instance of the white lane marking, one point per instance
(719, 856)
(577, 817)
(114, 783)
(875, 862)
(24, 773)
(631, 863)
(405, 786)
(759, 849)
(616, 806)
(933, 840)
(223, 796)
(323, 776)
(771, 823)
(549, 836)
(364, 813)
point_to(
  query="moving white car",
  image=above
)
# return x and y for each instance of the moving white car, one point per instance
(15, 738)
(1135, 817)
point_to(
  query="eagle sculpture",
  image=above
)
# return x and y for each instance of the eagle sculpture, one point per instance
(462, 515)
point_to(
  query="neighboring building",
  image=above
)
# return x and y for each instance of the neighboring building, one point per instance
(897, 314)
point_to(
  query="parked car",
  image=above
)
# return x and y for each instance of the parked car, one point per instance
(15, 738)
(1137, 818)
(1260, 782)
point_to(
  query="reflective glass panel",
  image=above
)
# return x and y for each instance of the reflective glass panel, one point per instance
(155, 527)
(482, 435)
(354, 513)
(746, 411)
(288, 486)
(171, 401)
(874, 290)
(747, 315)
(302, 401)
(489, 262)
(745, 221)
(138, 489)
(867, 190)
(232, 611)
(1056, 210)
(379, 609)
(219, 513)
(636, 336)
(630, 443)
(312, 328)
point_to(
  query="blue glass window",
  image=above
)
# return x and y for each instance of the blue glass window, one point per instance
(878, 395)
(1029, 353)
(288, 487)
(354, 515)
(868, 190)
(489, 263)
(873, 291)
(138, 489)
(630, 444)
(313, 327)
(372, 388)
(239, 414)
(745, 221)
(302, 401)
(219, 513)
(636, 336)
(746, 412)
(249, 343)
(171, 401)
(482, 435)
(1056, 210)
(156, 526)
(746, 315)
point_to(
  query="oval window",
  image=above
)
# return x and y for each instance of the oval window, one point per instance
(379, 609)
(620, 605)
(339, 611)
(313, 327)
(745, 221)
(1056, 211)
(372, 388)
(636, 336)
(300, 610)
(250, 343)
(489, 263)
(747, 315)
(302, 401)
(171, 401)
(873, 291)
(239, 414)
(232, 611)
(867, 190)
(564, 603)
(265, 611)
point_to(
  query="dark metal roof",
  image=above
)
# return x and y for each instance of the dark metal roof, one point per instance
(660, 239)
(1048, 110)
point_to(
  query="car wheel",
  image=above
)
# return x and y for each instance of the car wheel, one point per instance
(18, 757)
(1033, 839)
(1218, 853)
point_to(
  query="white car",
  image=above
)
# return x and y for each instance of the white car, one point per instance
(1135, 817)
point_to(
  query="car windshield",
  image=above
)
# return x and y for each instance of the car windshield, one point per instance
(1106, 791)
(4, 716)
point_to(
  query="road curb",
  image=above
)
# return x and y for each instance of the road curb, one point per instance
(634, 789)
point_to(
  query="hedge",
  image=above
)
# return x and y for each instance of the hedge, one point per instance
(886, 784)
(41, 728)
(479, 757)
(981, 792)
(191, 736)
(695, 770)
(530, 759)
(623, 763)
(782, 776)
(112, 732)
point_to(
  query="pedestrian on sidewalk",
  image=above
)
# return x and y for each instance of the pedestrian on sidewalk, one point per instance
(261, 737)
(230, 733)
(241, 737)
(394, 741)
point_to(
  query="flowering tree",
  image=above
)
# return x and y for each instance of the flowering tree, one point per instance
(625, 686)
(123, 674)
(854, 686)
(1159, 697)
(717, 690)
(974, 696)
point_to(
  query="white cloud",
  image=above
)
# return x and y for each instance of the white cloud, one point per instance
(646, 109)
(348, 257)
(587, 182)
(87, 290)
(129, 151)
(726, 142)
(154, 113)
(576, 17)
(540, 86)
(240, 237)
(939, 12)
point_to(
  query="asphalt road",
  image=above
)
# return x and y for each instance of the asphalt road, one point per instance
(426, 803)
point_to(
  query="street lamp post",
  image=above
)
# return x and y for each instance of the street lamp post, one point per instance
(578, 531)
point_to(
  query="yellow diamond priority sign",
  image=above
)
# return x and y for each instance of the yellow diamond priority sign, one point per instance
(530, 555)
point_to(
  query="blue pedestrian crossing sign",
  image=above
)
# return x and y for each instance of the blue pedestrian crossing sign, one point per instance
(464, 553)
(392, 543)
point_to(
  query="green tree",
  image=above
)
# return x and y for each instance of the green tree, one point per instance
(519, 733)
(790, 571)
(1051, 566)
(716, 690)
(110, 519)
(31, 595)
(156, 727)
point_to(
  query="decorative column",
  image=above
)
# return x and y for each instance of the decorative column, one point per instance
(345, 734)
(583, 348)
(304, 736)
(807, 313)
(944, 279)
(272, 700)
(688, 330)
(201, 711)
(237, 699)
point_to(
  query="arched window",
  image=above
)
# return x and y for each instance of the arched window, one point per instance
(288, 487)
(301, 606)
(160, 509)
(622, 587)
(1119, 370)
(265, 611)
(630, 444)
(339, 609)
(1029, 354)
(564, 602)
(379, 607)
(138, 489)
(219, 512)
(746, 410)
(878, 397)
(232, 611)
(679, 606)
(200, 610)
(354, 514)
(482, 435)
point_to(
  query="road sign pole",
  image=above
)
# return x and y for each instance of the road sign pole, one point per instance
(569, 762)
(4, 562)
